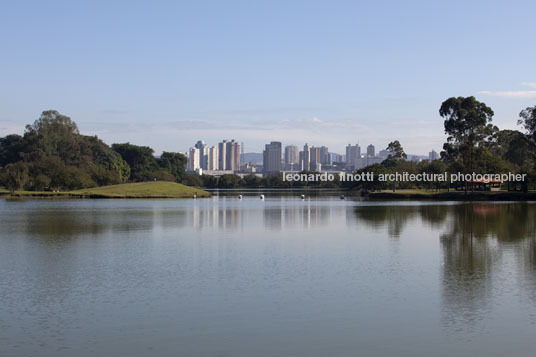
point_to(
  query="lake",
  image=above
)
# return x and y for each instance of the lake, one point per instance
(279, 277)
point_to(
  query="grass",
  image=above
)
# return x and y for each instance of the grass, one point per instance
(157, 189)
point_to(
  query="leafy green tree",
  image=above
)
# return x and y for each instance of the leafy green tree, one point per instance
(58, 135)
(275, 181)
(229, 181)
(10, 148)
(208, 181)
(140, 159)
(468, 126)
(109, 159)
(14, 176)
(40, 182)
(396, 151)
(528, 120)
(193, 180)
(252, 181)
(512, 146)
(435, 167)
(174, 163)
(377, 170)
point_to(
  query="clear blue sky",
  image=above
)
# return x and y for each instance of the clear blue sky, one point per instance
(166, 74)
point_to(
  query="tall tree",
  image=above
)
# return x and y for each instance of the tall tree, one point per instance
(468, 126)
(528, 120)
(396, 151)
(58, 135)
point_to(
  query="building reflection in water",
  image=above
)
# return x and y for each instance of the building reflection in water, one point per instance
(304, 215)
(224, 214)
(230, 214)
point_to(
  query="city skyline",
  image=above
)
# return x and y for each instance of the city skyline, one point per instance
(227, 157)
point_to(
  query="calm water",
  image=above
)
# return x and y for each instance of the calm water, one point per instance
(280, 277)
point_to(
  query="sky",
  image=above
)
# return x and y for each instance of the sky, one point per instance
(168, 73)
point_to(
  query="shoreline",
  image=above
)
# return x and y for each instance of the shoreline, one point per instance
(419, 195)
(452, 196)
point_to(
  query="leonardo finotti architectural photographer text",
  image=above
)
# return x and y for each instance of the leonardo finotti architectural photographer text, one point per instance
(403, 177)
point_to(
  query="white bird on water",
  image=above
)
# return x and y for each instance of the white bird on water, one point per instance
(239, 197)
(262, 197)
(302, 197)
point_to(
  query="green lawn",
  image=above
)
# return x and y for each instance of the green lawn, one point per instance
(157, 189)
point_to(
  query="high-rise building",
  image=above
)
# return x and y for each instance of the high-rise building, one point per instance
(202, 154)
(272, 158)
(353, 156)
(371, 151)
(222, 155)
(315, 155)
(194, 162)
(229, 155)
(292, 155)
(212, 159)
(432, 155)
(306, 162)
(233, 155)
(325, 157)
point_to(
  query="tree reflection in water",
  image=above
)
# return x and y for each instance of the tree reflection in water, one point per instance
(476, 240)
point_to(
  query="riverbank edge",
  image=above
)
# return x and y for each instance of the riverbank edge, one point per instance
(59, 195)
(452, 196)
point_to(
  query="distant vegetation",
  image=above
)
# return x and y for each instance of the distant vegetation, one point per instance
(52, 155)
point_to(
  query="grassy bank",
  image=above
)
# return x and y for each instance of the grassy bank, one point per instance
(158, 189)
(452, 195)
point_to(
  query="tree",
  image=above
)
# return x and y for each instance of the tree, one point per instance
(528, 120)
(193, 180)
(435, 167)
(10, 148)
(57, 134)
(14, 176)
(396, 151)
(109, 159)
(252, 180)
(140, 159)
(229, 181)
(512, 146)
(468, 125)
(376, 184)
(173, 163)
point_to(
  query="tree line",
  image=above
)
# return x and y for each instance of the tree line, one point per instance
(53, 155)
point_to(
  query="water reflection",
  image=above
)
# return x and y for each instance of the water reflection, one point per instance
(228, 215)
(478, 240)
(286, 268)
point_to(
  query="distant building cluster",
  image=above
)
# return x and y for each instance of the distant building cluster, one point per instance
(224, 157)
(227, 157)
